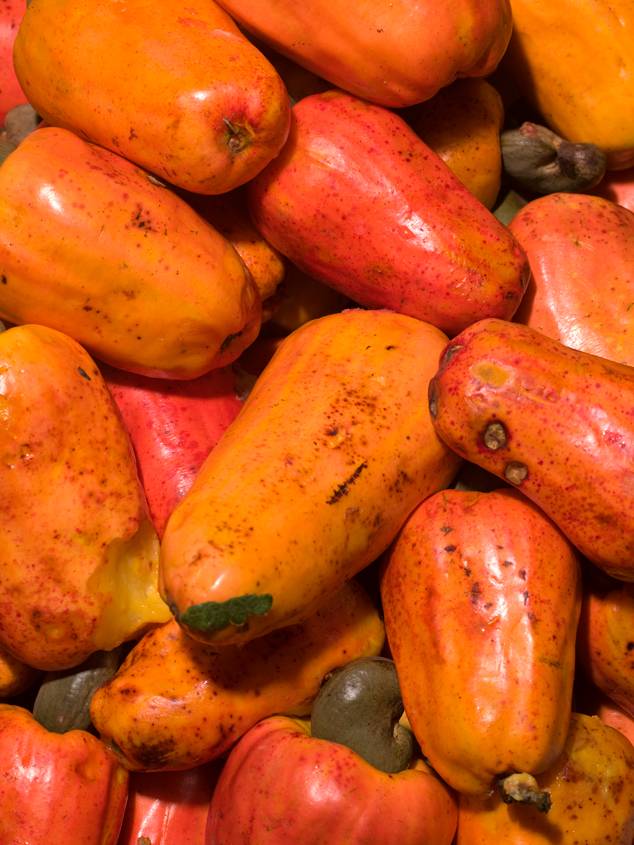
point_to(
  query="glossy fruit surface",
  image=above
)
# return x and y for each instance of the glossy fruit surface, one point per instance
(376, 214)
(335, 447)
(392, 54)
(91, 245)
(555, 422)
(481, 594)
(184, 94)
(281, 786)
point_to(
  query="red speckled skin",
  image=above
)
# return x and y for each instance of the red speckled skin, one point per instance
(606, 642)
(173, 426)
(569, 419)
(358, 201)
(57, 789)
(162, 80)
(481, 595)
(11, 13)
(280, 786)
(581, 292)
(394, 54)
(169, 808)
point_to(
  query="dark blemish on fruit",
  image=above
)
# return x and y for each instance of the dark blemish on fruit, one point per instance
(4, 280)
(516, 472)
(227, 341)
(446, 529)
(450, 548)
(342, 490)
(83, 373)
(495, 436)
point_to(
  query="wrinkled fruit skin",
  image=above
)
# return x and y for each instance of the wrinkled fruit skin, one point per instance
(280, 786)
(377, 215)
(591, 785)
(57, 788)
(94, 557)
(393, 54)
(481, 595)
(177, 702)
(335, 447)
(547, 419)
(184, 95)
(91, 246)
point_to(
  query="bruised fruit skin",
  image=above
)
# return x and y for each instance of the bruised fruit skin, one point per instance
(581, 252)
(173, 426)
(591, 785)
(554, 422)
(184, 95)
(393, 54)
(73, 517)
(57, 788)
(176, 702)
(481, 595)
(91, 245)
(280, 785)
(377, 215)
(335, 448)
(606, 642)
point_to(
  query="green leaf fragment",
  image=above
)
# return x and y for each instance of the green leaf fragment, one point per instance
(213, 615)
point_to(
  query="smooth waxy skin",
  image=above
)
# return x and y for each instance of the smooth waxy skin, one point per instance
(78, 553)
(481, 595)
(376, 214)
(568, 426)
(335, 448)
(57, 788)
(574, 61)
(176, 703)
(89, 245)
(394, 54)
(606, 642)
(163, 97)
(280, 786)
(581, 252)
(591, 785)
